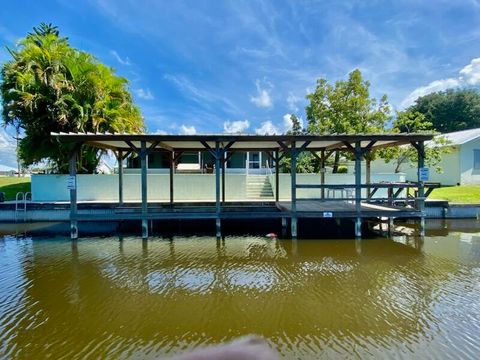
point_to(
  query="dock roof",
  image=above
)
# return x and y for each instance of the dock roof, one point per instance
(239, 142)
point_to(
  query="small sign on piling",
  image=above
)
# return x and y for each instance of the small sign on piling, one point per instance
(71, 183)
(423, 174)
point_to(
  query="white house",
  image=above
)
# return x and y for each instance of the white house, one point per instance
(461, 166)
(7, 170)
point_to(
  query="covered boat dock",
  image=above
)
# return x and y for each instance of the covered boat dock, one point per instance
(359, 205)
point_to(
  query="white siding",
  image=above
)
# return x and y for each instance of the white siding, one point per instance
(450, 164)
(469, 175)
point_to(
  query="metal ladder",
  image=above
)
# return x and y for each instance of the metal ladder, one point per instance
(21, 199)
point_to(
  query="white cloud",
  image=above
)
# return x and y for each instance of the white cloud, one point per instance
(187, 130)
(160, 132)
(124, 61)
(207, 99)
(469, 75)
(144, 94)
(267, 128)
(292, 102)
(235, 127)
(8, 156)
(263, 98)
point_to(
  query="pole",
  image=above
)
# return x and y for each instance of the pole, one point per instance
(421, 186)
(72, 167)
(277, 176)
(172, 165)
(143, 163)
(120, 177)
(358, 189)
(217, 190)
(293, 176)
(223, 178)
(322, 172)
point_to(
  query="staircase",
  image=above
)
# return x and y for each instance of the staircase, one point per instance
(259, 187)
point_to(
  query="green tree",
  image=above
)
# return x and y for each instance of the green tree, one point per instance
(49, 86)
(306, 163)
(345, 108)
(410, 121)
(450, 110)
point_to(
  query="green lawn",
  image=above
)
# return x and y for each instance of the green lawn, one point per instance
(464, 194)
(12, 185)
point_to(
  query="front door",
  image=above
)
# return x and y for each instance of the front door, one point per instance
(254, 160)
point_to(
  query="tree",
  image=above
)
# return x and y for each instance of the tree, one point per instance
(305, 161)
(345, 108)
(49, 86)
(410, 121)
(450, 110)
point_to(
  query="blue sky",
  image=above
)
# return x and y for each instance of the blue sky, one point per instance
(215, 66)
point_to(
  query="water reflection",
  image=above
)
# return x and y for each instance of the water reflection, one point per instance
(123, 298)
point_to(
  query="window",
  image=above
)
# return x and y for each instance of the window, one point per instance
(476, 159)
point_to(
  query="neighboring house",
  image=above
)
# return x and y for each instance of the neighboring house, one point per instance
(247, 162)
(461, 166)
(7, 170)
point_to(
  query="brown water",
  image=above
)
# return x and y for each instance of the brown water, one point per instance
(105, 298)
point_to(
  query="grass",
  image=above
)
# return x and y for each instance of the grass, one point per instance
(464, 194)
(12, 185)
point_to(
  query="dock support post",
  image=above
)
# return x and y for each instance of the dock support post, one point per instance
(420, 146)
(172, 167)
(223, 161)
(293, 175)
(120, 177)
(358, 189)
(322, 172)
(277, 177)
(218, 154)
(73, 193)
(143, 162)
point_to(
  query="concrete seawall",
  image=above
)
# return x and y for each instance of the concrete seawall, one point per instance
(61, 211)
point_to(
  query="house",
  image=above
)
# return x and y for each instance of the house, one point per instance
(245, 162)
(461, 166)
(7, 170)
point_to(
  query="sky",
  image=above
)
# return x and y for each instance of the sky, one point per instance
(245, 66)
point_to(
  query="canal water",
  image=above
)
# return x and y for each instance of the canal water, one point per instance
(123, 298)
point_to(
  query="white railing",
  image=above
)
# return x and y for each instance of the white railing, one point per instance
(22, 198)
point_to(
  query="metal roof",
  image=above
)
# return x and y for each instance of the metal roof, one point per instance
(461, 137)
(116, 141)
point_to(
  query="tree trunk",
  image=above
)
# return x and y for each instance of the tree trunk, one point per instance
(336, 161)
